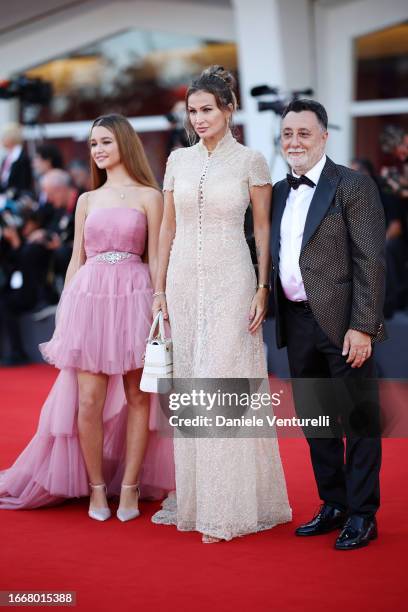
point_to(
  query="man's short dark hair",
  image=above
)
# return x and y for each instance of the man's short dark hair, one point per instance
(304, 104)
(51, 153)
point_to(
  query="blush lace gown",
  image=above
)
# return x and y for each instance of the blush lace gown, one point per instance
(224, 487)
(103, 321)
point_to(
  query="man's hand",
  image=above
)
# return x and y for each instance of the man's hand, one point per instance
(53, 243)
(37, 236)
(12, 237)
(358, 347)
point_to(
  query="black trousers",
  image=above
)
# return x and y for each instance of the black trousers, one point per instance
(347, 476)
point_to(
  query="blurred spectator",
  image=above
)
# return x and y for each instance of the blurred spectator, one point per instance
(397, 180)
(24, 267)
(401, 150)
(396, 294)
(47, 157)
(79, 171)
(177, 134)
(394, 141)
(15, 172)
(57, 233)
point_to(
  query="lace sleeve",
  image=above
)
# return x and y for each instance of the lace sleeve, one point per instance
(168, 181)
(259, 173)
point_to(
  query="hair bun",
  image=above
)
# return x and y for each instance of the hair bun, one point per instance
(220, 73)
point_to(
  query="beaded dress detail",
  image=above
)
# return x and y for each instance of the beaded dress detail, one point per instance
(224, 487)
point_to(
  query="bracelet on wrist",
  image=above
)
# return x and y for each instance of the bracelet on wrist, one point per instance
(157, 293)
(263, 286)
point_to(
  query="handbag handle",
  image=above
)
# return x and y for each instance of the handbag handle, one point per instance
(158, 319)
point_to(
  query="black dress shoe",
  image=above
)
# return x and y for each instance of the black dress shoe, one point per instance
(357, 532)
(327, 519)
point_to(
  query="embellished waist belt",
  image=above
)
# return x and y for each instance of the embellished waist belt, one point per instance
(114, 257)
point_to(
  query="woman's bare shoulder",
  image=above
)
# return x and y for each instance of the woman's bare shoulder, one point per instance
(82, 202)
(150, 197)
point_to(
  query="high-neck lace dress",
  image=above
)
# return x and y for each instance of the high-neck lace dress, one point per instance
(225, 487)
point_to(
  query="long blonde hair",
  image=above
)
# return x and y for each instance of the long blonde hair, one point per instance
(131, 152)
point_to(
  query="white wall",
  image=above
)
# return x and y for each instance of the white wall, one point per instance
(336, 28)
(274, 45)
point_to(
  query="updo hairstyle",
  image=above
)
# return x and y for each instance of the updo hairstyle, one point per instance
(217, 81)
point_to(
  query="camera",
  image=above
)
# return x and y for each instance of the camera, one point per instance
(32, 93)
(274, 100)
(28, 91)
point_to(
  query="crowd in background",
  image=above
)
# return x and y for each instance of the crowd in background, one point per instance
(38, 195)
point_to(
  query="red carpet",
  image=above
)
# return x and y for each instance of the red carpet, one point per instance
(123, 567)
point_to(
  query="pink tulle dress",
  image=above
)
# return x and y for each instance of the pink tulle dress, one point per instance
(103, 320)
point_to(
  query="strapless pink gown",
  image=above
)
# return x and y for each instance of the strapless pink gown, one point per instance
(103, 320)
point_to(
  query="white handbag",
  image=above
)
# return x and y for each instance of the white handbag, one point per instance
(157, 374)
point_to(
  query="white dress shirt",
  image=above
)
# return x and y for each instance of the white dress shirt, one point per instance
(291, 234)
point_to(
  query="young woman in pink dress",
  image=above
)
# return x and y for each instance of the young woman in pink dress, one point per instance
(94, 426)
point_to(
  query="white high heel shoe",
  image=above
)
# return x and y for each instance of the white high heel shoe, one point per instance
(99, 514)
(127, 514)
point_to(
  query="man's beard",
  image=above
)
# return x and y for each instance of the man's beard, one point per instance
(299, 161)
(304, 162)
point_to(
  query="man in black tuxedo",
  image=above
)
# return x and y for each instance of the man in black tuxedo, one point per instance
(327, 243)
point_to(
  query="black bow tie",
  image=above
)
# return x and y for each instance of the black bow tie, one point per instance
(295, 182)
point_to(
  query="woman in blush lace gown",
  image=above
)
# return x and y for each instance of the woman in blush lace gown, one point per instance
(206, 286)
(94, 426)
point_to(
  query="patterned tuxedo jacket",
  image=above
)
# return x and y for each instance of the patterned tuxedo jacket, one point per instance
(342, 258)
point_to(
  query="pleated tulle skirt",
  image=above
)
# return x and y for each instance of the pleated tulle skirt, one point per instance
(51, 468)
(103, 318)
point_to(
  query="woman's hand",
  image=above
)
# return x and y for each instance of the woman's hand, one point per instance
(259, 307)
(159, 303)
